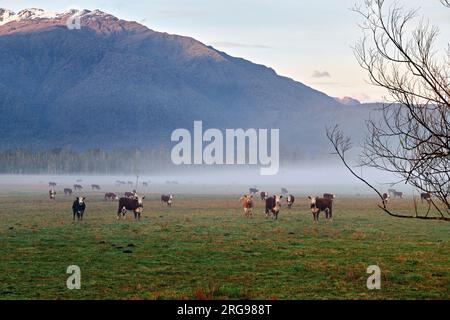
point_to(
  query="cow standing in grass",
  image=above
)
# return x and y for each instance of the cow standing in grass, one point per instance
(111, 196)
(290, 200)
(386, 198)
(273, 205)
(263, 195)
(247, 204)
(425, 196)
(77, 187)
(132, 204)
(52, 194)
(78, 208)
(167, 199)
(321, 204)
(95, 187)
(67, 191)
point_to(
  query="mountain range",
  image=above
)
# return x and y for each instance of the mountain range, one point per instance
(115, 83)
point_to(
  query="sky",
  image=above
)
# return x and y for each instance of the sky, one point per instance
(308, 40)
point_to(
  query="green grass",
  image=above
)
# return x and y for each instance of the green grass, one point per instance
(204, 248)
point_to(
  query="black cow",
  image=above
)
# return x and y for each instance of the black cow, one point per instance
(52, 184)
(321, 204)
(290, 200)
(77, 187)
(167, 199)
(252, 191)
(273, 205)
(263, 195)
(78, 208)
(329, 196)
(425, 196)
(132, 204)
(67, 191)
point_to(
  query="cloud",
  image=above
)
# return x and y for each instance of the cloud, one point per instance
(226, 44)
(320, 74)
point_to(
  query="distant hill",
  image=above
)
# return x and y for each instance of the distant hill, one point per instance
(116, 83)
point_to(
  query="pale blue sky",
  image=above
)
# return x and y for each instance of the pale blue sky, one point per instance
(297, 38)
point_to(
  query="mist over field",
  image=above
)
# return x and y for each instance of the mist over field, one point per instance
(304, 179)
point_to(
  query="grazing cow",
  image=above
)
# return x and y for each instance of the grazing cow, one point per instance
(425, 196)
(263, 195)
(284, 191)
(391, 192)
(129, 194)
(52, 194)
(167, 199)
(67, 191)
(132, 204)
(290, 200)
(398, 194)
(247, 204)
(52, 184)
(78, 208)
(95, 187)
(321, 204)
(77, 187)
(386, 198)
(330, 196)
(273, 205)
(111, 196)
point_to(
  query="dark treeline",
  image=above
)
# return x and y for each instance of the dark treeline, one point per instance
(97, 161)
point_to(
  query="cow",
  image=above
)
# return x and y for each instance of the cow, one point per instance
(290, 201)
(284, 191)
(79, 180)
(95, 187)
(145, 184)
(398, 194)
(129, 194)
(120, 182)
(247, 204)
(133, 204)
(253, 190)
(167, 199)
(386, 198)
(330, 196)
(52, 194)
(111, 196)
(78, 208)
(391, 192)
(130, 182)
(425, 196)
(67, 191)
(263, 195)
(77, 187)
(52, 184)
(321, 204)
(273, 205)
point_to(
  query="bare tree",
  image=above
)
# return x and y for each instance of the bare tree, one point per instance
(412, 139)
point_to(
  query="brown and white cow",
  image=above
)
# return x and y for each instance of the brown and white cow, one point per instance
(273, 205)
(111, 196)
(321, 204)
(247, 204)
(52, 194)
(132, 204)
(425, 196)
(290, 200)
(386, 198)
(167, 199)
(330, 196)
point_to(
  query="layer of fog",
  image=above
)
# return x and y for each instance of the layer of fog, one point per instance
(306, 178)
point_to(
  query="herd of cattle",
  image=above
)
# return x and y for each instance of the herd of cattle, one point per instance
(131, 201)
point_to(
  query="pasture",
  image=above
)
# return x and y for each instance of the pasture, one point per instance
(204, 248)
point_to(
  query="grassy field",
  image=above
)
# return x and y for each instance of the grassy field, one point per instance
(204, 248)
